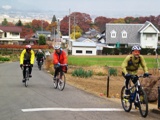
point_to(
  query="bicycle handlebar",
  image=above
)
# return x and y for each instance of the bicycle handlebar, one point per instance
(63, 64)
(133, 76)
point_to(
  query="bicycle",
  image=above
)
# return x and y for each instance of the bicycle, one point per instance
(137, 96)
(60, 79)
(27, 74)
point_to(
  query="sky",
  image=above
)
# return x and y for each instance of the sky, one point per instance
(107, 8)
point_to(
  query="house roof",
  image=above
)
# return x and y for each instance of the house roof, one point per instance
(83, 44)
(133, 32)
(11, 29)
(131, 29)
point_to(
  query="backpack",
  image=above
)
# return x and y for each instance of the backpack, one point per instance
(130, 62)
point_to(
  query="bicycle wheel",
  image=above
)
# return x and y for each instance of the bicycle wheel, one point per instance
(126, 103)
(27, 78)
(62, 82)
(143, 103)
(55, 82)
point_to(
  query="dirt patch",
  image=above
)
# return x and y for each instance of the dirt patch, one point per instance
(98, 85)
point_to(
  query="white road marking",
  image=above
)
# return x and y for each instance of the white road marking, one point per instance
(71, 109)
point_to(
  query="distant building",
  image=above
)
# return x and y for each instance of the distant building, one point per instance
(84, 48)
(10, 35)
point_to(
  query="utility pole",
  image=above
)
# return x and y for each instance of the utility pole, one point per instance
(74, 27)
(69, 25)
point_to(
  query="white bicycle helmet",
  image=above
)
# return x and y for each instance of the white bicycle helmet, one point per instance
(136, 47)
(57, 47)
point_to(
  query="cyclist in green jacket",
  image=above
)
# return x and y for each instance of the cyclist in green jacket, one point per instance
(40, 56)
(131, 65)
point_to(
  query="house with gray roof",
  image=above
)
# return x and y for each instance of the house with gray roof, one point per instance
(125, 35)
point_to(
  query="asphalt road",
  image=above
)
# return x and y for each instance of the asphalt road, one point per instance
(40, 101)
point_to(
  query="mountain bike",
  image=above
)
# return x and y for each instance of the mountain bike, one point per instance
(27, 74)
(137, 96)
(60, 79)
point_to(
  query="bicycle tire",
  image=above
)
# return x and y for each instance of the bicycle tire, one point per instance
(55, 82)
(62, 82)
(27, 78)
(143, 103)
(126, 103)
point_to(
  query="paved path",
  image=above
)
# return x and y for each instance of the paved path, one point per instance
(40, 101)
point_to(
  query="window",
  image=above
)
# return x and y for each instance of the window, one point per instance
(124, 34)
(5, 34)
(78, 51)
(15, 34)
(113, 34)
(88, 52)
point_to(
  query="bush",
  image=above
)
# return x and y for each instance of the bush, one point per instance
(112, 71)
(4, 59)
(82, 73)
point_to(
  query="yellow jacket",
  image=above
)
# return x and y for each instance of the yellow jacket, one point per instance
(131, 64)
(23, 55)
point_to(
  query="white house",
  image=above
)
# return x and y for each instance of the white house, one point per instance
(10, 35)
(84, 48)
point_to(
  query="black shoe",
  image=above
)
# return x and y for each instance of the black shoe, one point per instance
(30, 75)
(23, 80)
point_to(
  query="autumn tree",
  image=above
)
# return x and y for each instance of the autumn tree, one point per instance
(82, 20)
(39, 25)
(76, 32)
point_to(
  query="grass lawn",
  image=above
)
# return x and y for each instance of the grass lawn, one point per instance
(109, 60)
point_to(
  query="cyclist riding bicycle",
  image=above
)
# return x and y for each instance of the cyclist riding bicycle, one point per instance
(40, 56)
(27, 57)
(59, 57)
(131, 65)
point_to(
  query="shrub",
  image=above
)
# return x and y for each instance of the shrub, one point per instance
(82, 73)
(112, 71)
(4, 59)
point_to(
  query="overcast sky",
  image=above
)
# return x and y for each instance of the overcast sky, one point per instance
(107, 8)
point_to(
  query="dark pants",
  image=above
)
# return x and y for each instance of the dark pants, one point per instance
(24, 68)
(58, 69)
(127, 79)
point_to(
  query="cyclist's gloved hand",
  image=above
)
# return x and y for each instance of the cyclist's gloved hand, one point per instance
(31, 65)
(58, 64)
(146, 74)
(21, 65)
(127, 76)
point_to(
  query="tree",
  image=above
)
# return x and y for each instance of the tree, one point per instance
(42, 40)
(4, 22)
(19, 23)
(82, 20)
(76, 32)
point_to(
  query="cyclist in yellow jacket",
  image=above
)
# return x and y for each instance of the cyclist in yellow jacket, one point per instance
(27, 57)
(131, 65)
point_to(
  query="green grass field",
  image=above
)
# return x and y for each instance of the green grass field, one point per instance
(112, 61)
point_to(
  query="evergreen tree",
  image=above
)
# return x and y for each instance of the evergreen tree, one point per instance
(42, 40)
(4, 22)
(19, 23)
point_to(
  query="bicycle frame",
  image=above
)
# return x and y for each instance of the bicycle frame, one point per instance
(138, 97)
